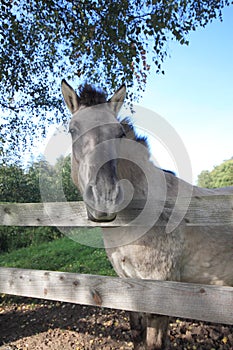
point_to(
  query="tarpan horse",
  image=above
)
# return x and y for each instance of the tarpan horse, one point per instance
(107, 156)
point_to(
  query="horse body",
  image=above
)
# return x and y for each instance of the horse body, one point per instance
(198, 254)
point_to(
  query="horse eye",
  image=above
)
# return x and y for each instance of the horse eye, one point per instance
(72, 131)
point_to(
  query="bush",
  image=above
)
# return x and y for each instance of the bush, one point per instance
(12, 237)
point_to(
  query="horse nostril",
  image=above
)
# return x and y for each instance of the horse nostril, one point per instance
(125, 193)
(89, 195)
(105, 199)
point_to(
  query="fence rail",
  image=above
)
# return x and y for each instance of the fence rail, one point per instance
(186, 300)
(201, 211)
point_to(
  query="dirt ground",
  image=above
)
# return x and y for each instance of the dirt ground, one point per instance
(42, 325)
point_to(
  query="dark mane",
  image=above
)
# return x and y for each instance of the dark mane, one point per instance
(90, 95)
(169, 172)
(131, 134)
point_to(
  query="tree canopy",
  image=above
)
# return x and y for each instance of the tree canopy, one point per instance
(25, 185)
(99, 41)
(220, 176)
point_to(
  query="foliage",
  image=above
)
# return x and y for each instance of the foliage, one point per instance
(25, 185)
(12, 238)
(20, 185)
(204, 179)
(102, 41)
(220, 176)
(63, 167)
(13, 184)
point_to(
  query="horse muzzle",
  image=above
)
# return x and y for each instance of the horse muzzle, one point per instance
(103, 205)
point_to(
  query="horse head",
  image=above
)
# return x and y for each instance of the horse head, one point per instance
(96, 133)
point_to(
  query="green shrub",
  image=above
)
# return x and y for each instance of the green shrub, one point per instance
(12, 237)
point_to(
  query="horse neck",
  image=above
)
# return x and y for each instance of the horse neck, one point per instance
(131, 172)
(139, 179)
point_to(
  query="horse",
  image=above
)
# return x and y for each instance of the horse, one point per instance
(111, 167)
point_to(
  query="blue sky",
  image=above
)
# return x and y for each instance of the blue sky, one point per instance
(196, 95)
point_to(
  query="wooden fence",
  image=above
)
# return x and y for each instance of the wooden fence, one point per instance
(185, 300)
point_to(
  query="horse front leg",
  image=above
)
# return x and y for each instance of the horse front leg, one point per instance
(149, 331)
(156, 335)
(138, 325)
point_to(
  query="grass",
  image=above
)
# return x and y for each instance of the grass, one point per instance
(62, 254)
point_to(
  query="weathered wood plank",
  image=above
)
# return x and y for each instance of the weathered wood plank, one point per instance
(200, 302)
(207, 210)
(43, 214)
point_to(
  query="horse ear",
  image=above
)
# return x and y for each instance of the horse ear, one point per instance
(70, 96)
(117, 100)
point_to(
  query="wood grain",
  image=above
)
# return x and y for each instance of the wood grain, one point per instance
(200, 302)
(206, 210)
